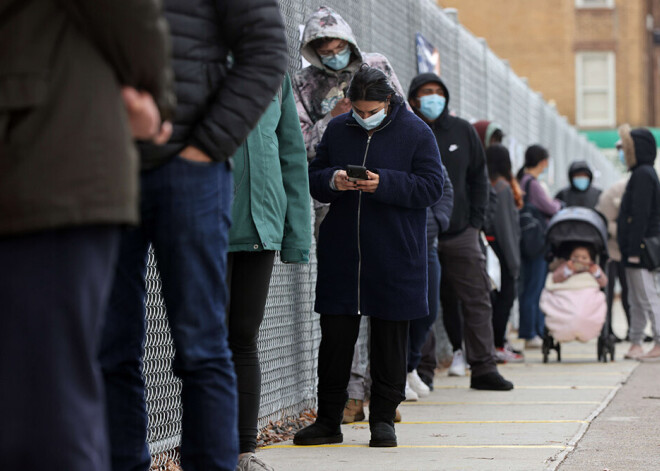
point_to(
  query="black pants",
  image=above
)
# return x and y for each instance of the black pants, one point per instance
(453, 322)
(54, 287)
(617, 270)
(464, 275)
(388, 360)
(248, 279)
(502, 300)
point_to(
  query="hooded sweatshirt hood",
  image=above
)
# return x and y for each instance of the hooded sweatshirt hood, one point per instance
(485, 129)
(327, 23)
(579, 166)
(639, 146)
(422, 79)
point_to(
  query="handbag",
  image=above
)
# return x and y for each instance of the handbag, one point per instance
(650, 257)
(532, 228)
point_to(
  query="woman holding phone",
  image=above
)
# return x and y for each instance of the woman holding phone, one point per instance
(371, 249)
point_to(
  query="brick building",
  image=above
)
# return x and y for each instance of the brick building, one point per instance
(595, 59)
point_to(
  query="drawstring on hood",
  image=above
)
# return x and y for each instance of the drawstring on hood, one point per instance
(327, 23)
(639, 146)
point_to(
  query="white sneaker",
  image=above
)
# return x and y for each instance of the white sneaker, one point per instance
(416, 384)
(411, 395)
(457, 367)
(535, 342)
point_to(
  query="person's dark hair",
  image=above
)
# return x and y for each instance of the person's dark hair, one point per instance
(534, 155)
(370, 84)
(497, 136)
(499, 165)
(320, 42)
(566, 249)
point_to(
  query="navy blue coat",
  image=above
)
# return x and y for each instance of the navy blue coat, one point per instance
(372, 246)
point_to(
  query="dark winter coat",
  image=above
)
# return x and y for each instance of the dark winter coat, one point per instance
(372, 246)
(219, 104)
(574, 197)
(506, 227)
(465, 160)
(639, 216)
(67, 157)
(438, 216)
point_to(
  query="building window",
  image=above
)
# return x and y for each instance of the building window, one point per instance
(595, 89)
(594, 3)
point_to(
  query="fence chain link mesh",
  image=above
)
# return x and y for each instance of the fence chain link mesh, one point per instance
(482, 86)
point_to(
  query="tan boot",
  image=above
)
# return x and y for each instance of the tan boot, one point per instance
(397, 416)
(634, 352)
(652, 355)
(353, 411)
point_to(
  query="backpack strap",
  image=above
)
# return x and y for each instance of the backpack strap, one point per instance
(526, 190)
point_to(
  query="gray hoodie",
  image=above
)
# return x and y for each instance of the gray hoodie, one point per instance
(317, 88)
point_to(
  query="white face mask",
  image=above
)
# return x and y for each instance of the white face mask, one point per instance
(372, 121)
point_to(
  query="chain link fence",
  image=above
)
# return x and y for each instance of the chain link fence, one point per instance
(482, 86)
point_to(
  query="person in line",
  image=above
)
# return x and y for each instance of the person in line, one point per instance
(580, 191)
(489, 132)
(437, 221)
(505, 243)
(533, 275)
(372, 249)
(639, 217)
(185, 210)
(270, 212)
(69, 110)
(608, 205)
(329, 45)
(462, 260)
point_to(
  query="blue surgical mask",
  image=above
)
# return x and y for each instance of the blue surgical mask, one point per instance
(431, 106)
(622, 157)
(338, 61)
(581, 183)
(372, 121)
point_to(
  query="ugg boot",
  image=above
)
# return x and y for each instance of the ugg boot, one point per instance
(354, 411)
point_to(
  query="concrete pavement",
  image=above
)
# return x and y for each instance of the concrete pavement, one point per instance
(533, 427)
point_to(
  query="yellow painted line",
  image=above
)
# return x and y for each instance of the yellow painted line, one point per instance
(455, 386)
(502, 403)
(573, 373)
(522, 447)
(467, 422)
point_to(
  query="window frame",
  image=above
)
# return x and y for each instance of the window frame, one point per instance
(580, 89)
(609, 4)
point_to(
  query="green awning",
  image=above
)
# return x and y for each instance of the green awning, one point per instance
(606, 138)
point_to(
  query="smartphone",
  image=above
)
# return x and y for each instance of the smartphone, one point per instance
(356, 172)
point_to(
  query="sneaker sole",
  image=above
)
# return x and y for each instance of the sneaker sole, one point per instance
(382, 443)
(319, 440)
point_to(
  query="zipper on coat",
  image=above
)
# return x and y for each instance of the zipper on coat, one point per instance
(364, 161)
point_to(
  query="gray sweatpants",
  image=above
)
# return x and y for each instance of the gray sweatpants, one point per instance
(644, 300)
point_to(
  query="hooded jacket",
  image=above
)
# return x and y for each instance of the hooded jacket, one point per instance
(438, 216)
(219, 104)
(465, 160)
(485, 130)
(317, 88)
(372, 251)
(575, 197)
(639, 216)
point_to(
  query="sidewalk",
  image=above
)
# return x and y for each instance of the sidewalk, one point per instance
(533, 427)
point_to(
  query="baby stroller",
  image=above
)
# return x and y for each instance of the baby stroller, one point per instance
(588, 227)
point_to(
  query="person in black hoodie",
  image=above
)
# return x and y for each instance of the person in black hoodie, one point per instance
(639, 218)
(580, 191)
(462, 260)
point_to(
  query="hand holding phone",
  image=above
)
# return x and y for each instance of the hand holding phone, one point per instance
(356, 173)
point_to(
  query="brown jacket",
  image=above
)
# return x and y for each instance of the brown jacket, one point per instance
(67, 157)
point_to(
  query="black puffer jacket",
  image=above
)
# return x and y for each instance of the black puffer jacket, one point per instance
(218, 105)
(574, 197)
(639, 215)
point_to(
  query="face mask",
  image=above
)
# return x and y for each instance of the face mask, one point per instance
(622, 157)
(372, 121)
(431, 106)
(581, 183)
(544, 173)
(338, 61)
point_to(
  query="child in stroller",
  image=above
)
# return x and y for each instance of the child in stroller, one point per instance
(574, 305)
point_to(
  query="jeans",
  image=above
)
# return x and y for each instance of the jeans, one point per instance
(54, 287)
(420, 328)
(185, 210)
(532, 320)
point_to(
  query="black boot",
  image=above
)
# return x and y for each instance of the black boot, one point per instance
(492, 381)
(320, 432)
(382, 434)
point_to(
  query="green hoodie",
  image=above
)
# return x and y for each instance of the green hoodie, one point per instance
(271, 209)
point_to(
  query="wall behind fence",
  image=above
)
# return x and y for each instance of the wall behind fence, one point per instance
(481, 85)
